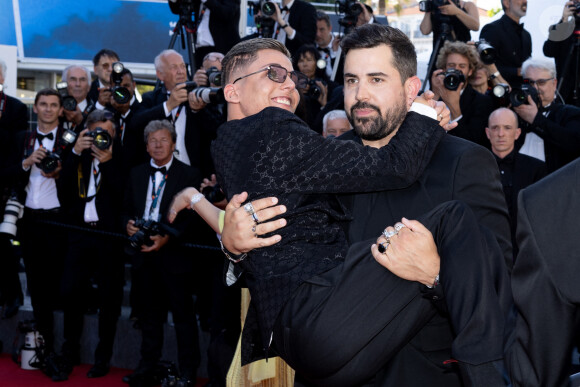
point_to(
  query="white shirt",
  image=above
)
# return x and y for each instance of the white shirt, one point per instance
(204, 38)
(328, 57)
(180, 129)
(41, 191)
(91, 208)
(281, 37)
(534, 144)
(147, 213)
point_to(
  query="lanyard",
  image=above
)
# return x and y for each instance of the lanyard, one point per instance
(81, 182)
(155, 194)
(174, 120)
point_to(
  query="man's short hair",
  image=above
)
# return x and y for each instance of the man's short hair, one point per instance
(461, 48)
(373, 35)
(320, 15)
(47, 92)
(68, 68)
(2, 67)
(159, 58)
(102, 53)
(539, 64)
(101, 116)
(332, 115)
(157, 125)
(124, 72)
(246, 52)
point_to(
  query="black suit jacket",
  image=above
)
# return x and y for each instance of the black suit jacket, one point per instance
(458, 170)
(223, 23)
(561, 51)
(14, 117)
(179, 177)
(197, 138)
(302, 18)
(94, 91)
(475, 109)
(545, 282)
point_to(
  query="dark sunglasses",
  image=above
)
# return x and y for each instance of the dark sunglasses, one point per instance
(278, 74)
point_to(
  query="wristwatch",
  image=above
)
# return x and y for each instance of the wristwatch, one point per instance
(235, 258)
(494, 76)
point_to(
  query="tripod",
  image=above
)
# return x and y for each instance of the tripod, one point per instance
(573, 53)
(186, 28)
(445, 31)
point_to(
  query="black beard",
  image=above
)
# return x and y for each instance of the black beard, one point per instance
(379, 127)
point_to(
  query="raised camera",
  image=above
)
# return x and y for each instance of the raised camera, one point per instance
(313, 89)
(519, 96)
(121, 94)
(431, 5)
(68, 102)
(50, 162)
(210, 94)
(214, 76)
(101, 138)
(487, 53)
(452, 78)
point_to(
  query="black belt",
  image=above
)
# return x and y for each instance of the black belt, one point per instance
(33, 211)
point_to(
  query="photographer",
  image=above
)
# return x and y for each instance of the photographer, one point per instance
(100, 90)
(77, 79)
(512, 42)
(469, 108)
(92, 195)
(559, 45)
(43, 246)
(163, 266)
(319, 87)
(552, 133)
(461, 16)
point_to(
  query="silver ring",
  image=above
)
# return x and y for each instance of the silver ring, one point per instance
(440, 117)
(255, 217)
(254, 228)
(399, 226)
(389, 234)
(249, 208)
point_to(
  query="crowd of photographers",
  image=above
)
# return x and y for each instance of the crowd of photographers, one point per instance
(102, 166)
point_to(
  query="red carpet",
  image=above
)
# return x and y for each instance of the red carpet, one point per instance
(11, 375)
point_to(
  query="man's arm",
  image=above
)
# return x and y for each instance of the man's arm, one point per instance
(493, 35)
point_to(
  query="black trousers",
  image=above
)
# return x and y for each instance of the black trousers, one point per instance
(163, 290)
(43, 252)
(341, 327)
(10, 288)
(99, 257)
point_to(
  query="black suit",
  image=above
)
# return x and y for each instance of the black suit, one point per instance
(197, 138)
(132, 151)
(450, 175)
(545, 280)
(14, 116)
(302, 18)
(223, 25)
(475, 109)
(562, 52)
(92, 254)
(166, 274)
(94, 90)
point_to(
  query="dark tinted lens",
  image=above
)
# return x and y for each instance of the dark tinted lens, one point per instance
(299, 79)
(277, 74)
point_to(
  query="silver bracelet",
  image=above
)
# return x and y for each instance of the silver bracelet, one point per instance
(195, 199)
(435, 282)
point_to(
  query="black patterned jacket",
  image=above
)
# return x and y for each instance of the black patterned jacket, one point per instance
(274, 153)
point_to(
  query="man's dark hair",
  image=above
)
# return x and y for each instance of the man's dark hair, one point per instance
(323, 16)
(246, 52)
(100, 116)
(373, 35)
(102, 53)
(309, 49)
(48, 92)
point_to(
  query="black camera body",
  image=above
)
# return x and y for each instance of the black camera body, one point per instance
(351, 9)
(313, 90)
(147, 228)
(101, 138)
(519, 96)
(487, 53)
(214, 76)
(121, 94)
(50, 162)
(452, 78)
(68, 101)
(575, 7)
(264, 23)
(433, 5)
(190, 86)
(213, 194)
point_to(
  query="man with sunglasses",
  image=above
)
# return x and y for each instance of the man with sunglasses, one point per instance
(552, 133)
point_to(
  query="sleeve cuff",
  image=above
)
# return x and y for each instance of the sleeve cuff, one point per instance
(98, 106)
(167, 112)
(423, 110)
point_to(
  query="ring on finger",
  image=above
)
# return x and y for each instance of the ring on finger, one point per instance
(389, 233)
(255, 217)
(383, 247)
(249, 208)
(254, 228)
(399, 226)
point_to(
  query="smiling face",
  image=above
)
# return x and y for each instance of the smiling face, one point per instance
(375, 99)
(48, 109)
(254, 93)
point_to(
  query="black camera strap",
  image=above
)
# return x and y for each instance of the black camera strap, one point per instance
(174, 119)
(83, 186)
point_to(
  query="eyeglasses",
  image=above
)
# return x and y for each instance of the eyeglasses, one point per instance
(539, 82)
(213, 58)
(278, 74)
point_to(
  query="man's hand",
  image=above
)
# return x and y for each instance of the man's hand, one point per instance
(449, 9)
(131, 229)
(54, 174)
(336, 43)
(364, 17)
(443, 113)
(195, 103)
(83, 142)
(177, 97)
(568, 12)
(158, 242)
(323, 97)
(411, 254)
(76, 116)
(34, 158)
(450, 97)
(208, 182)
(104, 96)
(200, 77)
(102, 155)
(237, 235)
(527, 111)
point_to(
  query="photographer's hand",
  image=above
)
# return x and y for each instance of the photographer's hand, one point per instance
(208, 183)
(158, 242)
(76, 116)
(527, 111)
(34, 158)
(102, 155)
(131, 229)
(568, 11)
(177, 97)
(54, 174)
(323, 97)
(195, 103)
(83, 142)
(104, 96)
(200, 77)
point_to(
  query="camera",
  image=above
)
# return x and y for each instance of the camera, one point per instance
(351, 9)
(267, 7)
(432, 5)
(182, 7)
(101, 138)
(213, 194)
(189, 86)
(501, 94)
(68, 101)
(121, 94)
(214, 76)
(210, 94)
(147, 228)
(452, 79)
(50, 162)
(575, 7)
(313, 90)
(264, 23)
(12, 212)
(486, 51)
(519, 96)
